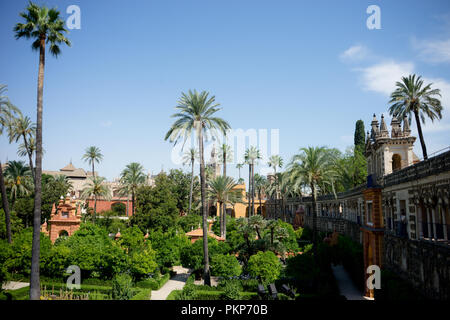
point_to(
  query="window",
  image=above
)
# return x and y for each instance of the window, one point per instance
(396, 162)
(369, 213)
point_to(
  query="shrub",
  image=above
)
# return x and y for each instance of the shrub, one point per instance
(303, 270)
(188, 293)
(122, 287)
(231, 290)
(154, 283)
(225, 266)
(119, 208)
(142, 294)
(265, 266)
(142, 262)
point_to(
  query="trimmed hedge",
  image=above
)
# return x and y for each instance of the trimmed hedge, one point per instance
(211, 295)
(19, 294)
(174, 294)
(154, 283)
(142, 294)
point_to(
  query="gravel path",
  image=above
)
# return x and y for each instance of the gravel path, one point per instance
(177, 282)
(14, 285)
(346, 286)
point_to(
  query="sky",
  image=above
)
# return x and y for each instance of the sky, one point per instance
(303, 71)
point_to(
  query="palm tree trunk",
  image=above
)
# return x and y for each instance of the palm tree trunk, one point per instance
(313, 193)
(95, 208)
(260, 203)
(5, 205)
(224, 211)
(192, 186)
(253, 189)
(93, 171)
(419, 130)
(206, 275)
(30, 157)
(249, 189)
(132, 202)
(35, 290)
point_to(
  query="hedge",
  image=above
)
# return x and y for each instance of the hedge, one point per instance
(173, 295)
(142, 294)
(19, 294)
(217, 295)
(154, 283)
(83, 287)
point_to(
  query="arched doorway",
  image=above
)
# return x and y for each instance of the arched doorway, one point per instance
(396, 162)
(63, 233)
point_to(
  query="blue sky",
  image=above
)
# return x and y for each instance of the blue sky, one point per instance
(307, 68)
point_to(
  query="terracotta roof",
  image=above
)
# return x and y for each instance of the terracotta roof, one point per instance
(199, 233)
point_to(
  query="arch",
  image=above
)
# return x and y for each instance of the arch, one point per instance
(63, 233)
(396, 162)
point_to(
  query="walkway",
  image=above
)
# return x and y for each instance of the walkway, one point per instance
(345, 284)
(14, 285)
(177, 282)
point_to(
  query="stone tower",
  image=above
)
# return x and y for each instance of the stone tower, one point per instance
(385, 154)
(214, 164)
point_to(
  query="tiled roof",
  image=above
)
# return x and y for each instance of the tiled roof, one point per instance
(199, 233)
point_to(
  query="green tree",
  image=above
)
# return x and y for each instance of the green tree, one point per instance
(92, 154)
(265, 266)
(23, 128)
(122, 287)
(260, 184)
(412, 97)
(44, 26)
(131, 178)
(360, 136)
(96, 188)
(7, 112)
(18, 180)
(220, 190)
(197, 111)
(252, 155)
(315, 167)
(239, 166)
(142, 261)
(189, 157)
(225, 266)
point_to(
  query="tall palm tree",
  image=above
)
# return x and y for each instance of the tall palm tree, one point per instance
(220, 190)
(18, 180)
(96, 188)
(131, 178)
(7, 112)
(227, 156)
(411, 96)
(189, 157)
(92, 154)
(44, 26)
(275, 161)
(23, 128)
(260, 183)
(196, 111)
(239, 166)
(252, 155)
(313, 166)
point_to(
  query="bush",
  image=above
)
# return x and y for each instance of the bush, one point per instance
(225, 266)
(265, 266)
(350, 254)
(122, 287)
(231, 290)
(142, 294)
(174, 295)
(142, 262)
(303, 270)
(119, 208)
(394, 288)
(154, 283)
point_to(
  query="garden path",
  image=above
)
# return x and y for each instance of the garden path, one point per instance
(177, 282)
(345, 284)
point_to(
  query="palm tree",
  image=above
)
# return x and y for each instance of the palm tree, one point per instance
(252, 154)
(64, 182)
(220, 190)
(18, 180)
(189, 157)
(131, 178)
(314, 166)
(275, 161)
(7, 111)
(260, 183)
(92, 155)
(44, 26)
(23, 127)
(239, 166)
(412, 97)
(227, 156)
(98, 189)
(196, 111)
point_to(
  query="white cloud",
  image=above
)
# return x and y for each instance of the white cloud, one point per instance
(433, 51)
(354, 53)
(382, 77)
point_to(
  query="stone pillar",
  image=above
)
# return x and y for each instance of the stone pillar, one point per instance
(419, 221)
(444, 223)
(433, 218)
(428, 222)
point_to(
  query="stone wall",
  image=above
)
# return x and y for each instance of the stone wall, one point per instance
(424, 264)
(342, 226)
